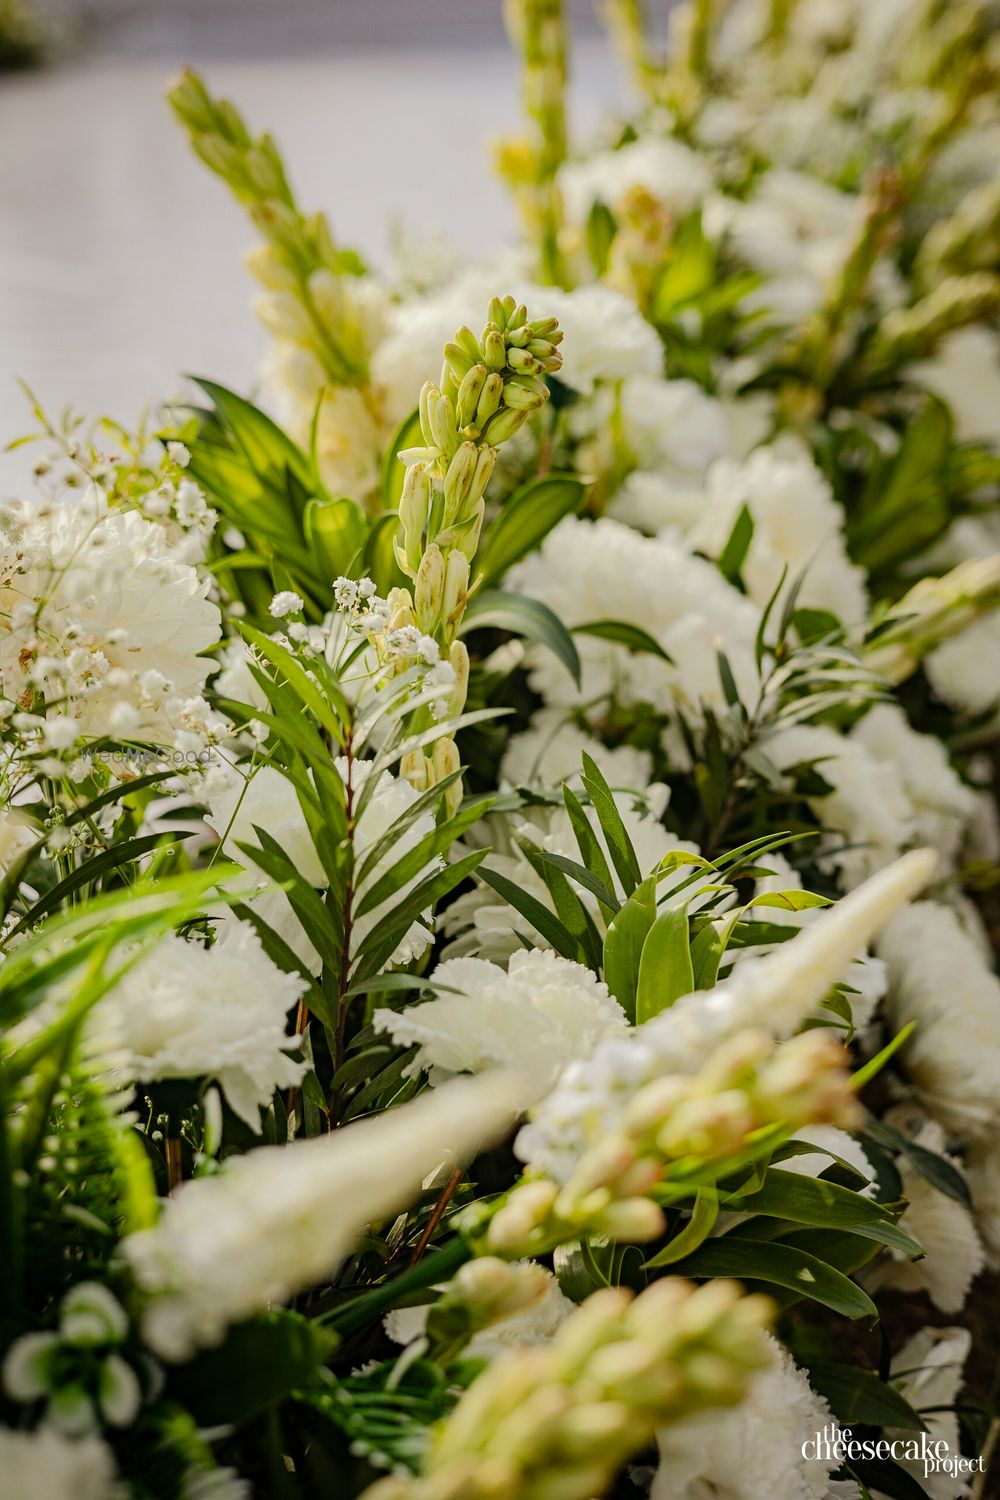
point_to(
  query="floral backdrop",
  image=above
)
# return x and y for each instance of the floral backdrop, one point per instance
(499, 848)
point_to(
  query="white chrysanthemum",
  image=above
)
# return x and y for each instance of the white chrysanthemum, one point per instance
(941, 805)
(928, 1372)
(965, 373)
(776, 993)
(797, 526)
(268, 800)
(485, 924)
(867, 809)
(607, 338)
(531, 1020)
(100, 613)
(532, 1328)
(751, 1450)
(588, 571)
(945, 1230)
(549, 751)
(963, 670)
(45, 1464)
(185, 1011)
(663, 167)
(279, 1219)
(939, 978)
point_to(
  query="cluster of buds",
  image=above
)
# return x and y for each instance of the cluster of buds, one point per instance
(931, 612)
(489, 387)
(312, 301)
(530, 163)
(672, 1130)
(563, 1419)
(911, 333)
(482, 1292)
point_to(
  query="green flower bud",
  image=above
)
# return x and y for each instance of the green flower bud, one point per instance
(456, 588)
(428, 592)
(523, 362)
(494, 348)
(458, 481)
(459, 659)
(485, 464)
(469, 393)
(503, 425)
(490, 398)
(525, 393)
(459, 362)
(445, 761)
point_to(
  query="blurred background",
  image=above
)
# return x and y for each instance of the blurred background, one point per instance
(120, 258)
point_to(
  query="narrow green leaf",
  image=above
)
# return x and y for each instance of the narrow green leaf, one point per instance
(623, 945)
(665, 969)
(614, 830)
(525, 520)
(781, 1265)
(527, 618)
(734, 553)
(621, 634)
(694, 1233)
(541, 919)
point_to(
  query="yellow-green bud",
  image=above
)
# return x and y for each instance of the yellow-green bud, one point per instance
(490, 398)
(428, 590)
(485, 464)
(458, 481)
(458, 360)
(525, 393)
(445, 761)
(469, 393)
(456, 587)
(494, 348)
(468, 542)
(441, 429)
(633, 1219)
(503, 425)
(459, 659)
(413, 767)
(414, 508)
(523, 362)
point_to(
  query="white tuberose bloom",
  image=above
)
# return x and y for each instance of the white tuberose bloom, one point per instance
(939, 978)
(281, 1218)
(185, 1011)
(752, 1450)
(97, 607)
(776, 993)
(532, 1019)
(45, 1464)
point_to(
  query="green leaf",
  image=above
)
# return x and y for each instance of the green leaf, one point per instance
(812, 1200)
(601, 231)
(259, 1363)
(858, 1397)
(780, 1265)
(335, 532)
(541, 919)
(524, 617)
(665, 969)
(526, 518)
(622, 634)
(267, 449)
(614, 830)
(933, 1168)
(587, 842)
(734, 553)
(623, 944)
(694, 1233)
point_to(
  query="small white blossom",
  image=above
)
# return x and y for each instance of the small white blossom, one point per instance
(285, 603)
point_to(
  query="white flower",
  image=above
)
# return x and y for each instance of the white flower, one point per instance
(965, 373)
(662, 166)
(214, 1484)
(830, 1142)
(941, 805)
(185, 1011)
(45, 1464)
(178, 454)
(607, 338)
(797, 526)
(16, 837)
(983, 1172)
(281, 1218)
(285, 603)
(587, 571)
(752, 1450)
(97, 600)
(267, 799)
(550, 751)
(963, 670)
(939, 978)
(928, 1373)
(942, 1227)
(531, 1020)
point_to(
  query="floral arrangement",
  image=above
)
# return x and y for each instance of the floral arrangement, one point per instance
(499, 849)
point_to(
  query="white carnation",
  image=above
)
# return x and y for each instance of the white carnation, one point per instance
(928, 1373)
(963, 670)
(281, 1218)
(965, 373)
(941, 805)
(606, 336)
(797, 526)
(752, 1450)
(588, 571)
(550, 751)
(939, 978)
(531, 1020)
(663, 167)
(185, 1011)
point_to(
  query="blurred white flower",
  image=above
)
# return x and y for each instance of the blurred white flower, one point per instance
(941, 805)
(963, 669)
(278, 1219)
(939, 978)
(751, 1450)
(45, 1464)
(550, 751)
(965, 373)
(533, 1327)
(928, 1372)
(531, 1020)
(662, 166)
(186, 1011)
(983, 1173)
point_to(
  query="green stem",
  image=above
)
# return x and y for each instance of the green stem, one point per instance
(370, 1305)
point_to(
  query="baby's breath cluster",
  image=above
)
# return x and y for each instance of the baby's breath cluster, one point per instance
(561, 1420)
(674, 1125)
